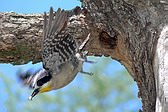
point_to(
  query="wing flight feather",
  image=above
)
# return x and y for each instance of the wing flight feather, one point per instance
(58, 45)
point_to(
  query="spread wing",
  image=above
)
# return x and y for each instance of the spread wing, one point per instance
(30, 79)
(58, 45)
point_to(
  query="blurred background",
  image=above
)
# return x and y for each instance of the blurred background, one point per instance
(110, 89)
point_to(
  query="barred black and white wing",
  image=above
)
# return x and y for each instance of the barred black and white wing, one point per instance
(58, 45)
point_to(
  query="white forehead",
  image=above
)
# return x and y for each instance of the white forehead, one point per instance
(36, 77)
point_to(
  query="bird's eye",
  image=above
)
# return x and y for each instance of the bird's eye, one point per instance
(43, 80)
(39, 83)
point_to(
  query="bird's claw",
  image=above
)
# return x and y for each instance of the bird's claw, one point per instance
(88, 73)
(91, 73)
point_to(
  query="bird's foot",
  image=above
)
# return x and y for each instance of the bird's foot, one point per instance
(88, 73)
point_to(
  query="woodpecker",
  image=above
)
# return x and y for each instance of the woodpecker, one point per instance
(62, 57)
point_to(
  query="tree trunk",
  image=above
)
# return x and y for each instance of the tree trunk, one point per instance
(133, 32)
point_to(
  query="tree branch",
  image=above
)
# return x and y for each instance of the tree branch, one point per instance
(20, 36)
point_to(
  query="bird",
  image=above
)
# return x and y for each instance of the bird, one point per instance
(62, 57)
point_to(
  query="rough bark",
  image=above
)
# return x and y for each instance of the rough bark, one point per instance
(128, 31)
(20, 37)
(161, 71)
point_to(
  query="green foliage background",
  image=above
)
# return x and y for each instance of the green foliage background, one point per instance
(105, 91)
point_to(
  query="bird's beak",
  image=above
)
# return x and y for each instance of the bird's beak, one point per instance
(40, 90)
(36, 91)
